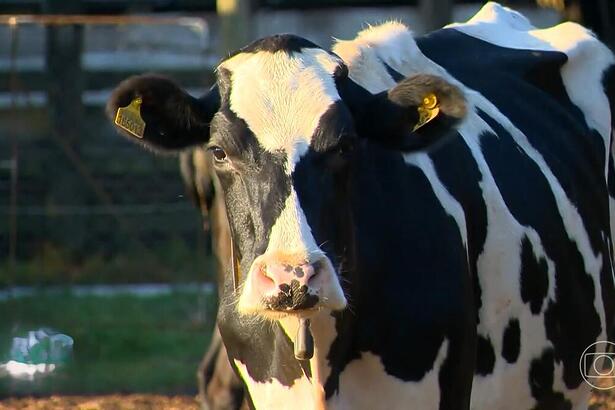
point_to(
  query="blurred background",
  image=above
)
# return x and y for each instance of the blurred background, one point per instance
(105, 267)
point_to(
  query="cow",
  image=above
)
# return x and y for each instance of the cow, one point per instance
(432, 213)
(219, 387)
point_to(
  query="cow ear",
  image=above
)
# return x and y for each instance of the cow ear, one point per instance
(417, 113)
(156, 112)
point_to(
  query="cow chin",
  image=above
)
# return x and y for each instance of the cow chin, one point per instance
(278, 287)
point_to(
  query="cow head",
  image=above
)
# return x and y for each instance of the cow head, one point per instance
(282, 124)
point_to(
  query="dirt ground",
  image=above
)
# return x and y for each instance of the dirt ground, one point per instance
(604, 400)
(107, 402)
(600, 401)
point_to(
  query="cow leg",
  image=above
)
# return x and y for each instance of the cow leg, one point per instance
(219, 387)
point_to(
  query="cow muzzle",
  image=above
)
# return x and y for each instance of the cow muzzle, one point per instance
(289, 285)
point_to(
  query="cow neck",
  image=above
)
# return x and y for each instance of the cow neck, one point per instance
(324, 333)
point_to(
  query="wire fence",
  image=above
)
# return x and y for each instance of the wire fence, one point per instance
(78, 203)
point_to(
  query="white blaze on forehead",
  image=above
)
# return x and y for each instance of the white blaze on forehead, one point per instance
(291, 233)
(282, 96)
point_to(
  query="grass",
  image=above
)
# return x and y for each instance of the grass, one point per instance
(170, 261)
(123, 343)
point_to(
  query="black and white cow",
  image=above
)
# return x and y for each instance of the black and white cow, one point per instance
(462, 264)
(219, 388)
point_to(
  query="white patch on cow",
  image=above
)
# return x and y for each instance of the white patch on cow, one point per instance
(282, 96)
(291, 232)
(365, 384)
(391, 43)
(303, 393)
(449, 203)
(582, 74)
(275, 395)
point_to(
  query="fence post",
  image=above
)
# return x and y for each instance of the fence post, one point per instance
(65, 83)
(235, 24)
(435, 13)
(13, 163)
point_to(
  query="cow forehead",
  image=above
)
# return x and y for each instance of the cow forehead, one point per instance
(282, 95)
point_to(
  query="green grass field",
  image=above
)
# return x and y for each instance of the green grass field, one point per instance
(123, 343)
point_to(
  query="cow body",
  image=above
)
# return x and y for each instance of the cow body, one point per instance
(537, 229)
(470, 275)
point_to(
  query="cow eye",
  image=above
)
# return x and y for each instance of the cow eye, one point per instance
(218, 153)
(345, 147)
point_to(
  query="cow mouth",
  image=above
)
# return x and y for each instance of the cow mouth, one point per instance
(285, 295)
(294, 299)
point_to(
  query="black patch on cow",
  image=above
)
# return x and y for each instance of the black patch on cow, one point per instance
(611, 186)
(543, 72)
(288, 43)
(541, 375)
(606, 279)
(511, 341)
(485, 356)
(393, 295)
(461, 358)
(263, 348)
(459, 173)
(395, 75)
(477, 292)
(541, 384)
(335, 127)
(534, 277)
(293, 297)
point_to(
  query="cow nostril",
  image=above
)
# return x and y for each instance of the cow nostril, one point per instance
(299, 272)
(315, 275)
(266, 276)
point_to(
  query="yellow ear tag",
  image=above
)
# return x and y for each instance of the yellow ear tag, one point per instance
(427, 111)
(129, 118)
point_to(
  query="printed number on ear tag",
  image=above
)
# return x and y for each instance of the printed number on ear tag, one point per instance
(428, 110)
(129, 118)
